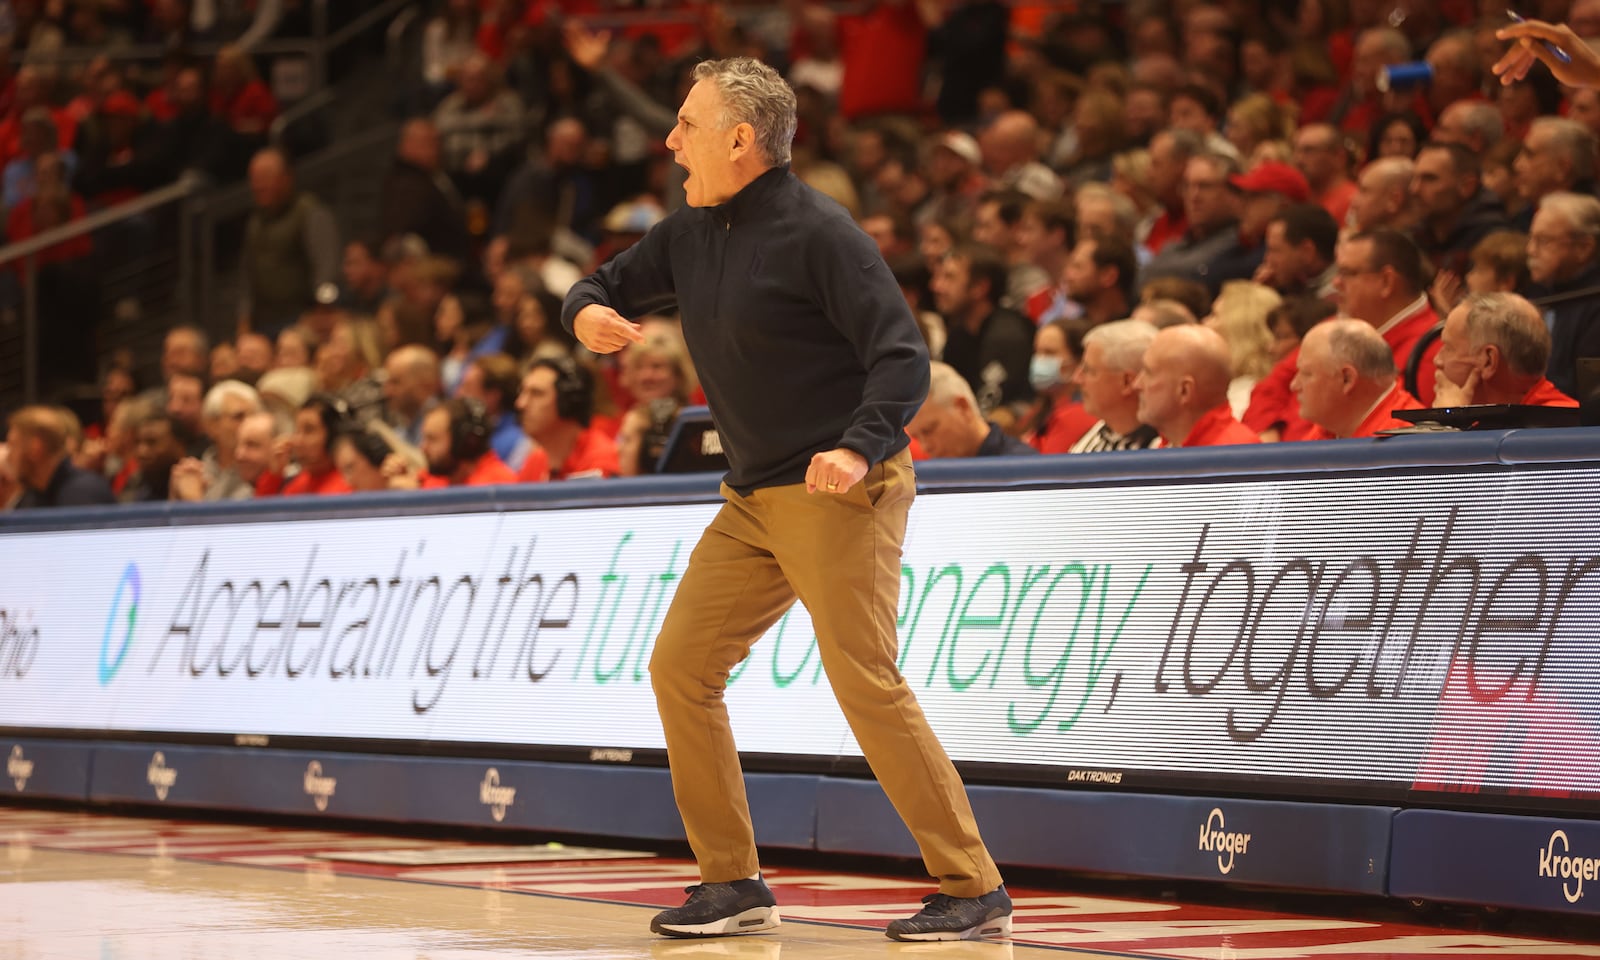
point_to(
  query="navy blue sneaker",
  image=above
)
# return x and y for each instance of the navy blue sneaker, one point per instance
(721, 910)
(957, 918)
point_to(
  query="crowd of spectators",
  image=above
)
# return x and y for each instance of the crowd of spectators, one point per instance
(1149, 224)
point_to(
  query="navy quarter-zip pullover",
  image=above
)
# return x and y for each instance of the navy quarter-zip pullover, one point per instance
(798, 331)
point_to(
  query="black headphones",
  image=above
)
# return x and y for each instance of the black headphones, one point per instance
(469, 429)
(372, 447)
(574, 389)
(335, 415)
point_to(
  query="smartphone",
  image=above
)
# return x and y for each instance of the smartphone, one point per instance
(1555, 51)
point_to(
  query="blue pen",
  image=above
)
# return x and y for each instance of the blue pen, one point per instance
(1555, 51)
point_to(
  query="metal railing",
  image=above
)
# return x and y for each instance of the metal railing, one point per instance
(318, 48)
(20, 327)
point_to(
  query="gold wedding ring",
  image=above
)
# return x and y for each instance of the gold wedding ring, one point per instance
(833, 485)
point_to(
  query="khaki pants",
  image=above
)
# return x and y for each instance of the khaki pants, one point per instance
(840, 554)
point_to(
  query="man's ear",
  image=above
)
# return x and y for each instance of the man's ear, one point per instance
(1347, 377)
(1490, 361)
(744, 139)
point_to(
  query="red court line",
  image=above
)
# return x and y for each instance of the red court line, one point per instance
(1115, 926)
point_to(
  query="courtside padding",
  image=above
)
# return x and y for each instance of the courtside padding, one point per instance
(1535, 863)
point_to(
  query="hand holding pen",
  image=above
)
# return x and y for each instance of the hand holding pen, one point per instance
(1570, 59)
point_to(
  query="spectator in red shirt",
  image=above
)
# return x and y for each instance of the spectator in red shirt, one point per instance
(455, 441)
(1056, 419)
(557, 405)
(238, 97)
(161, 102)
(1320, 153)
(316, 426)
(1494, 349)
(100, 80)
(1170, 152)
(258, 455)
(1346, 381)
(52, 205)
(1183, 389)
(33, 90)
(1381, 278)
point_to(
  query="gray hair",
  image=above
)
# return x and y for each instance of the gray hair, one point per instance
(1122, 209)
(1573, 139)
(1481, 120)
(1185, 143)
(211, 407)
(1580, 210)
(1123, 343)
(754, 93)
(1359, 344)
(1391, 172)
(1395, 43)
(945, 385)
(1220, 162)
(1512, 324)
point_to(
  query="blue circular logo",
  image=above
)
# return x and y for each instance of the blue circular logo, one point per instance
(119, 615)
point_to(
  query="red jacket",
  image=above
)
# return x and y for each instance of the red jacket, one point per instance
(1381, 417)
(1218, 428)
(488, 471)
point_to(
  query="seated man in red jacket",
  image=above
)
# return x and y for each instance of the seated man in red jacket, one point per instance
(1494, 349)
(1346, 383)
(456, 442)
(1183, 389)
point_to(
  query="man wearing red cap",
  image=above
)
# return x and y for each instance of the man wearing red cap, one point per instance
(1266, 190)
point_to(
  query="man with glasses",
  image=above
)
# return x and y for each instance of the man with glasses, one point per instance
(1211, 208)
(1557, 155)
(1381, 278)
(1564, 263)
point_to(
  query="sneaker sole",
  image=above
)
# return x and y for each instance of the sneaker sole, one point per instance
(998, 927)
(754, 920)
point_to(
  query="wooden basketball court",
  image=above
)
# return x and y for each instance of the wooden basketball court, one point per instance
(78, 886)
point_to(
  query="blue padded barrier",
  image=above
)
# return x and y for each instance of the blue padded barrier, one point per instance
(56, 769)
(620, 801)
(1301, 845)
(1511, 861)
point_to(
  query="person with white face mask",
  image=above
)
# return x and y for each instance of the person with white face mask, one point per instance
(1056, 420)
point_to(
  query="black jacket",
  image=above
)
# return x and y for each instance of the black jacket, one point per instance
(1572, 311)
(797, 329)
(69, 487)
(415, 201)
(1482, 215)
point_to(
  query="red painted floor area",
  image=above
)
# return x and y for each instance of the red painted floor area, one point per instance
(1111, 925)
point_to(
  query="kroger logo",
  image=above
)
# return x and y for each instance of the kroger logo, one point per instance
(160, 776)
(318, 787)
(119, 615)
(1561, 865)
(18, 768)
(494, 796)
(1215, 838)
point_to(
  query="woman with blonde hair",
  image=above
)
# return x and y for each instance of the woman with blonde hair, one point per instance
(1254, 120)
(659, 367)
(1240, 314)
(1130, 176)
